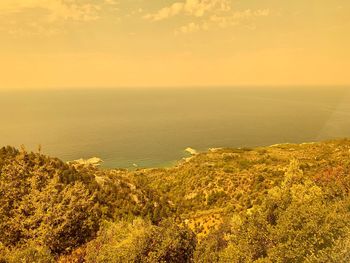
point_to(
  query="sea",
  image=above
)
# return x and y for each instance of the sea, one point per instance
(152, 127)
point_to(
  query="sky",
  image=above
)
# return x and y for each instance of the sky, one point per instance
(172, 43)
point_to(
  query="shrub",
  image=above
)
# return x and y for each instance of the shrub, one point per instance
(29, 253)
(141, 242)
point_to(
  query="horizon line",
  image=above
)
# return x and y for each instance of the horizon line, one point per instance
(176, 87)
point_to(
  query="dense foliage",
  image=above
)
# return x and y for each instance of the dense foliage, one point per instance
(141, 242)
(283, 203)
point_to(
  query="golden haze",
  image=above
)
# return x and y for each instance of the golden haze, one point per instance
(107, 43)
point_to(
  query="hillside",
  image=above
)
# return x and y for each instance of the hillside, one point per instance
(283, 203)
(226, 181)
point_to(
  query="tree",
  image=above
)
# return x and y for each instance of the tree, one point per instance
(37, 202)
(295, 221)
(142, 242)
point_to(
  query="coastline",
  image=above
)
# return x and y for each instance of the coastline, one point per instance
(190, 153)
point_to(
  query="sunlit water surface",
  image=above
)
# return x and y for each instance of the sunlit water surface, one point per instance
(152, 127)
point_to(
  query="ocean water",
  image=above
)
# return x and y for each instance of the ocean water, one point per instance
(151, 127)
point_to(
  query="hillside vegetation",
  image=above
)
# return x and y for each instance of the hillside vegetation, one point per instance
(283, 203)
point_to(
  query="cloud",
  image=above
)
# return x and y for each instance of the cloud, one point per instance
(237, 17)
(223, 21)
(31, 17)
(111, 2)
(205, 14)
(52, 9)
(189, 28)
(196, 8)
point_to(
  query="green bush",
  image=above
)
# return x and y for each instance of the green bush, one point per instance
(28, 253)
(141, 242)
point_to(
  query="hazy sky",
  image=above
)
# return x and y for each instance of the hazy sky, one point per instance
(94, 43)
